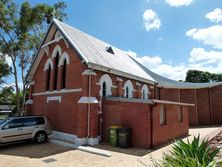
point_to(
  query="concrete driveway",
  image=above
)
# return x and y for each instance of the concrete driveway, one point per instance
(50, 155)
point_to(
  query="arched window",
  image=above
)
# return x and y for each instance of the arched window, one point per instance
(56, 71)
(63, 77)
(128, 87)
(63, 62)
(145, 92)
(48, 73)
(104, 88)
(105, 85)
(127, 92)
(47, 68)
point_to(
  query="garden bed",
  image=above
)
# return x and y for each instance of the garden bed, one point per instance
(216, 142)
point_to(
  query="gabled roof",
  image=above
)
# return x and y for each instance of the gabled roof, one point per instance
(94, 52)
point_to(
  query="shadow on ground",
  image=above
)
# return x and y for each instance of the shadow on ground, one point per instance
(32, 150)
(130, 151)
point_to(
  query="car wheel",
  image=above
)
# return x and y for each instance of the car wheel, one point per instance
(40, 137)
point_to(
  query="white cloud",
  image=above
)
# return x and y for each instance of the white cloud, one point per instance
(201, 55)
(156, 64)
(148, 61)
(215, 15)
(211, 36)
(151, 20)
(199, 59)
(178, 3)
(8, 60)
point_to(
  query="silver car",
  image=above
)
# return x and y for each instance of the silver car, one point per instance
(22, 128)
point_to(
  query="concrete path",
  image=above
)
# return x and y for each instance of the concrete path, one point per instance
(156, 156)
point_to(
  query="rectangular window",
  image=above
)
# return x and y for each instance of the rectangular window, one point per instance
(162, 115)
(180, 113)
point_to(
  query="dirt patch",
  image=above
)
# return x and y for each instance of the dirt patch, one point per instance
(216, 142)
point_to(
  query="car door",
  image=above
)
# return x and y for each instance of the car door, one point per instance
(29, 126)
(12, 131)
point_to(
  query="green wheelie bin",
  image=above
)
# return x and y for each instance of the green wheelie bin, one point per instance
(113, 135)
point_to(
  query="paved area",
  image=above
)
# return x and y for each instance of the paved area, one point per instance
(51, 155)
(156, 156)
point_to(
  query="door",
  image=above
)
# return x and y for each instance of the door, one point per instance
(29, 126)
(12, 131)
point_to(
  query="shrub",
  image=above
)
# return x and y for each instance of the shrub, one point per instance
(191, 154)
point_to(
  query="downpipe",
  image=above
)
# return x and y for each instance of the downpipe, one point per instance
(89, 107)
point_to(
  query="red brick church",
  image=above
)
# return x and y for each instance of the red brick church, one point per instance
(84, 86)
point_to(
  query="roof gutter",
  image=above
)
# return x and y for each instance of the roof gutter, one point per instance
(117, 72)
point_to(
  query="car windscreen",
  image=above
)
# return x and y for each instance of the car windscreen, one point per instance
(3, 121)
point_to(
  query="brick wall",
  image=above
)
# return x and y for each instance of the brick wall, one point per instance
(74, 70)
(68, 115)
(216, 104)
(135, 115)
(169, 94)
(203, 107)
(188, 96)
(173, 128)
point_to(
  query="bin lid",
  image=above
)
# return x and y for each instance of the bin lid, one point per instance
(115, 127)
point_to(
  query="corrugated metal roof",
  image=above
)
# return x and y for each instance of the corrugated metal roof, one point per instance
(168, 83)
(5, 107)
(94, 51)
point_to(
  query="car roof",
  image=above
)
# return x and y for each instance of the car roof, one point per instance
(26, 116)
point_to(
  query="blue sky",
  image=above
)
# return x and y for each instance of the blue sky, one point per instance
(168, 36)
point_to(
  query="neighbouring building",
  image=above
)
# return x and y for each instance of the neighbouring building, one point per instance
(5, 110)
(84, 86)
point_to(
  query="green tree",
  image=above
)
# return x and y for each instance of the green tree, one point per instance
(197, 76)
(22, 28)
(4, 69)
(6, 95)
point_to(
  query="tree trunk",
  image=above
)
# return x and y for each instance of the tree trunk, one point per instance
(16, 85)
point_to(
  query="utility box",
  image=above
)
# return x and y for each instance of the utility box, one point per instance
(113, 135)
(124, 137)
